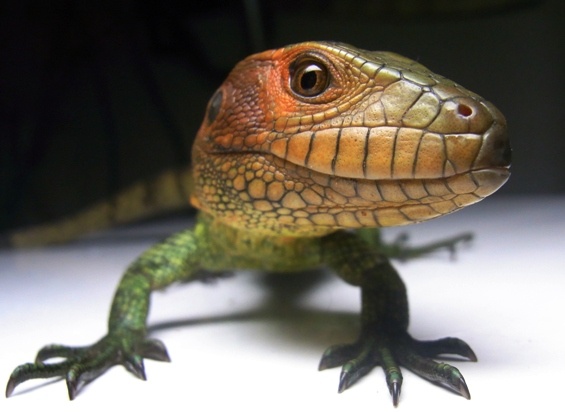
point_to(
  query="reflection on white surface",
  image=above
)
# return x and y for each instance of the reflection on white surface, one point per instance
(242, 343)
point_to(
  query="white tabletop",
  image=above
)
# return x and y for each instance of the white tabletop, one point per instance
(239, 343)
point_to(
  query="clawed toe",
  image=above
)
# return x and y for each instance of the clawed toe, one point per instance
(392, 352)
(82, 365)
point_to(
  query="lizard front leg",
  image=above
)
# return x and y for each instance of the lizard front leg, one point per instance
(384, 340)
(126, 343)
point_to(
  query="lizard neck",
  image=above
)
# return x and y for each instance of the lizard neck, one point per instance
(234, 248)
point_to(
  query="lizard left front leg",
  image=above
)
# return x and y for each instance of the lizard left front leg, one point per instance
(126, 343)
(384, 340)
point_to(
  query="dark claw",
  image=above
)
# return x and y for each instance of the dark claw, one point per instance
(463, 389)
(79, 375)
(134, 364)
(351, 373)
(444, 346)
(337, 355)
(440, 373)
(325, 363)
(74, 384)
(346, 379)
(12, 383)
(360, 359)
(155, 349)
(18, 376)
(9, 388)
(343, 382)
(392, 372)
(394, 389)
(453, 379)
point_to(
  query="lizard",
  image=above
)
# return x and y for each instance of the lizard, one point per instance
(303, 154)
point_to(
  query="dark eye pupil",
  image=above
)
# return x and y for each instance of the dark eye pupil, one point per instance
(309, 78)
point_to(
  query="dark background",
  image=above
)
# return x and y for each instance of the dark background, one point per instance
(95, 95)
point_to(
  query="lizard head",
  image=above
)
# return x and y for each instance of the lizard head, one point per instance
(319, 136)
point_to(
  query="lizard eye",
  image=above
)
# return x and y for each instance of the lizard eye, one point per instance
(309, 77)
(214, 105)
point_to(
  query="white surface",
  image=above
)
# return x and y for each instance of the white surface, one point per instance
(234, 348)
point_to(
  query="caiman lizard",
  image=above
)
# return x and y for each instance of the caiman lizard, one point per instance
(304, 152)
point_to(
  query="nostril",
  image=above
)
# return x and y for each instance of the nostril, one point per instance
(464, 110)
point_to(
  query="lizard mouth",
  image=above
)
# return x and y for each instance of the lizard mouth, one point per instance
(410, 182)
(395, 153)
(382, 203)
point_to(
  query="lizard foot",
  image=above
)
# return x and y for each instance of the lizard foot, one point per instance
(389, 352)
(401, 250)
(82, 365)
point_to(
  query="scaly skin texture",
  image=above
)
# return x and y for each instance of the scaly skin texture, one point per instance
(304, 151)
(386, 143)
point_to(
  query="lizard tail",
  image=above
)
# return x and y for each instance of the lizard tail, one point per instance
(167, 192)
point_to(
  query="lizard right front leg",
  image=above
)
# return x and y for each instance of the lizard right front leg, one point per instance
(126, 343)
(384, 339)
